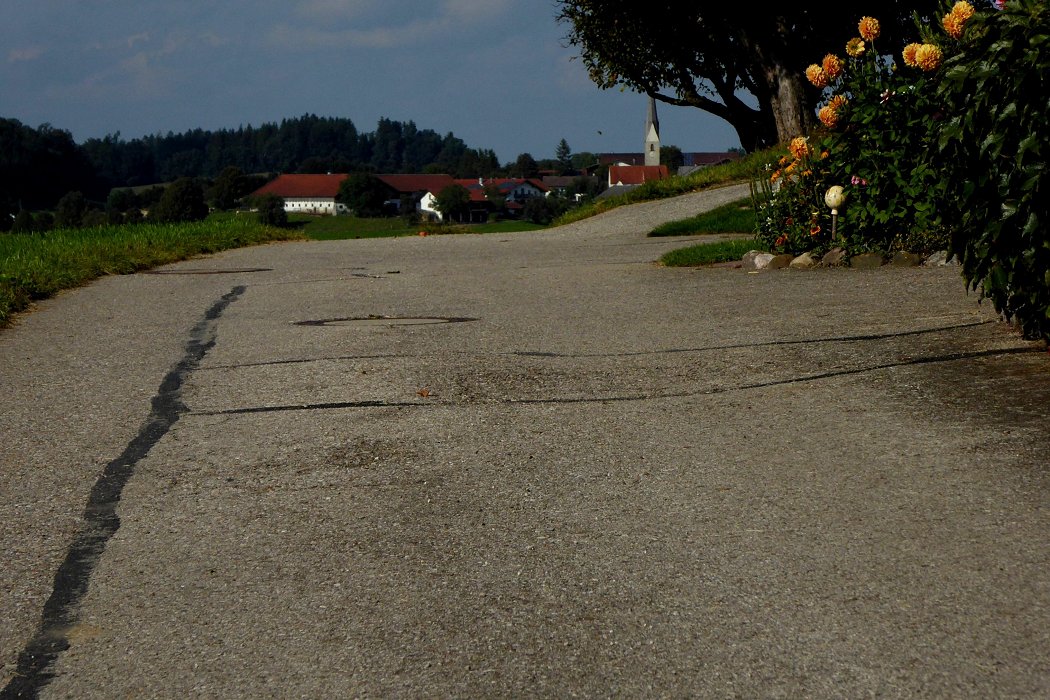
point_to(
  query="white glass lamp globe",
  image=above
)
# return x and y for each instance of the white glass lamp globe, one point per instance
(835, 198)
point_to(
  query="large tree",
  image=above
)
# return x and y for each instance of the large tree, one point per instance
(453, 202)
(738, 61)
(363, 194)
(183, 200)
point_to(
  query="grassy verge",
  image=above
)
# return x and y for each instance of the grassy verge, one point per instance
(337, 228)
(37, 266)
(709, 253)
(735, 217)
(747, 168)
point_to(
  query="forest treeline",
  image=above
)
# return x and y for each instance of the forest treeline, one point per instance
(38, 166)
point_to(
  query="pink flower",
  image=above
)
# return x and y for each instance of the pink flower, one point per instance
(858, 181)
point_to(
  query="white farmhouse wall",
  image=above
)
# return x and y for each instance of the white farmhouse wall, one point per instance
(305, 205)
(428, 206)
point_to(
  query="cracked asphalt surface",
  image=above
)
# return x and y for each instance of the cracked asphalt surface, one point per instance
(598, 478)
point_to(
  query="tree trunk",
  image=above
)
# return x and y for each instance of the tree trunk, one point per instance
(788, 102)
(779, 88)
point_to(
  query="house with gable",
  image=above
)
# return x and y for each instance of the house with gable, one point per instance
(306, 194)
(316, 194)
(484, 193)
(410, 189)
(634, 175)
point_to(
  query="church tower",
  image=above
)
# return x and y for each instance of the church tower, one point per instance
(652, 135)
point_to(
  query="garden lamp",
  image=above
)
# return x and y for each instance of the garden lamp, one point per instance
(834, 198)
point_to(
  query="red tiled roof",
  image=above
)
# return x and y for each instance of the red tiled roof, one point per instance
(636, 174)
(303, 186)
(407, 184)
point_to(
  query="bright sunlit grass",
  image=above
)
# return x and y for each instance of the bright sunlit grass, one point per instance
(735, 217)
(37, 266)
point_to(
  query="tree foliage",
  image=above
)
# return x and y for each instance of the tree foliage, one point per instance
(453, 202)
(39, 166)
(363, 194)
(672, 157)
(183, 200)
(70, 210)
(304, 144)
(992, 152)
(525, 166)
(563, 155)
(739, 64)
(271, 210)
(228, 188)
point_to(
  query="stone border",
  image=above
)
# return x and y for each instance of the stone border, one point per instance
(837, 257)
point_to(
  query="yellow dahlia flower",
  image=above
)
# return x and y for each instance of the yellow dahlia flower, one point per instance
(817, 76)
(800, 147)
(963, 10)
(869, 28)
(953, 24)
(855, 47)
(833, 66)
(928, 57)
(909, 55)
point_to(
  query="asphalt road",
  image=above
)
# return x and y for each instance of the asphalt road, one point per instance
(522, 465)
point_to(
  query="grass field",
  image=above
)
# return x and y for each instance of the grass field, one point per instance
(37, 266)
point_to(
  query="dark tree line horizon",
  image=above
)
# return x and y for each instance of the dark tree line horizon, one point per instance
(40, 165)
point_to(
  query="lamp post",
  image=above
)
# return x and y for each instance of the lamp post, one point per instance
(835, 197)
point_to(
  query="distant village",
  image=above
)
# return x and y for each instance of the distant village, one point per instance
(310, 165)
(318, 194)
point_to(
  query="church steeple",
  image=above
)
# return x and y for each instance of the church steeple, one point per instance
(652, 135)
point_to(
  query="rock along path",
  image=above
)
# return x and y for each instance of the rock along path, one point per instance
(522, 465)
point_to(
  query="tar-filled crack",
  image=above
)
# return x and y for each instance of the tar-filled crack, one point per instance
(640, 353)
(335, 405)
(309, 407)
(300, 361)
(760, 344)
(62, 609)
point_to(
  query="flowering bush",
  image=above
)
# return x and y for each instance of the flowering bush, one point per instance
(878, 126)
(992, 153)
(789, 204)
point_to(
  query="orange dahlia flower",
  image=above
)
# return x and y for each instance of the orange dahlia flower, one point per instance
(869, 28)
(800, 147)
(828, 116)
(817, 76)
(832, 66)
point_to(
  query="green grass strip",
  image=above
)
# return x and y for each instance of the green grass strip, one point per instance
(735, 217)
(338, 228)
(710, 253)
(38, 266)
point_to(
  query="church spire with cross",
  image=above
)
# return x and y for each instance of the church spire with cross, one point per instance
(652, 135)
